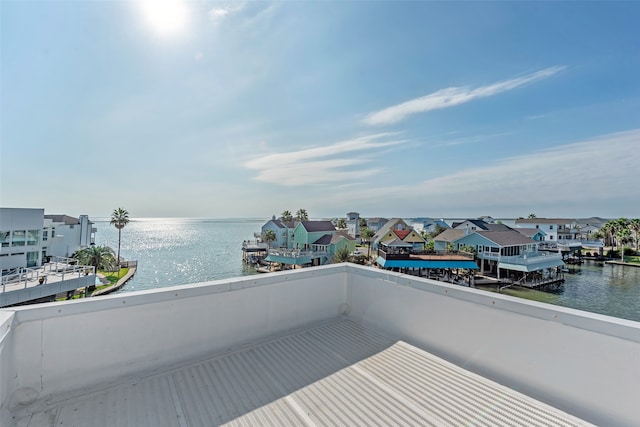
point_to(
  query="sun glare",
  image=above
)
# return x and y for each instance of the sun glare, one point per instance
(165, 17)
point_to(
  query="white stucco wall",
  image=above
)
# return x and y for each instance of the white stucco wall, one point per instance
(583, 363)
(67, 346)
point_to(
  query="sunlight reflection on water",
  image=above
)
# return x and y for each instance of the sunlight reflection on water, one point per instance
(180, 251)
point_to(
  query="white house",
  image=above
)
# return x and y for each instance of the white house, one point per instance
(556, 229)
(28, 236)
(20, 237)
(62, 235)
(353, 225)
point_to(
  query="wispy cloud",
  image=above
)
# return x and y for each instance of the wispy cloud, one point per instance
(588, 175)
(224, 9)
(319, 165)
(452, 96)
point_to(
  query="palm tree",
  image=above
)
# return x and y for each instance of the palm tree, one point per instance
(366, 234)
(341, 223)
(634, 225)
(532, 215)
(622, 231)
(100, 257)
(269, 236)
(623, 235)
(286, 216)
(342, 255)
(302, 215)
(119, 219)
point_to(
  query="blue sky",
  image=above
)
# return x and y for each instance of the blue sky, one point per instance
(245, 109)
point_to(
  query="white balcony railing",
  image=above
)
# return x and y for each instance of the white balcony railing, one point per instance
(529, 258)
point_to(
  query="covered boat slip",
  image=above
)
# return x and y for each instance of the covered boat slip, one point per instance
(337, 373)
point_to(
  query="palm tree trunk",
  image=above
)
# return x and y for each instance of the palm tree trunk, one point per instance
(119, 239)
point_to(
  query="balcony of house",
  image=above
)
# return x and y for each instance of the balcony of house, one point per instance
(61, 275)
(407, 260)
(527, 261)
(332, 345)
(393, 253)
(295, 256)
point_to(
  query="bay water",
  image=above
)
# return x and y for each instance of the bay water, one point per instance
(181, 251)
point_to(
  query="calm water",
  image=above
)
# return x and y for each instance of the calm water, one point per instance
(180, 251)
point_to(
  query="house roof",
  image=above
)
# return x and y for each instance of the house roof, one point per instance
(339, 236)
(314, 226)
(497, 227)
(530, 232)
(343, 234)
(324, 240)
(402, 234)
(506, 238)
(477, 222)
(544, 221)
(449, 235)
(397, 243)
(68, 220)
(387, 227)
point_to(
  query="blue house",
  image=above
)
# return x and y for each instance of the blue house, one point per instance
(509, 253)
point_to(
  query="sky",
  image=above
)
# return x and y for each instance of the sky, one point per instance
(246, 109)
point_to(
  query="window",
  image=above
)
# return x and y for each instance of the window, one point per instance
(5, 238)
(45, 235)
(53, 233)
(18, 238)
(32, 259)
(551, 227)
(32, 237)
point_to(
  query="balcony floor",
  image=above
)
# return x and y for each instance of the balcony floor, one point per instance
(337, 373)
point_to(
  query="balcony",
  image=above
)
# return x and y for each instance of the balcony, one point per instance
(398, 254)
(339, 344)
(294, 256)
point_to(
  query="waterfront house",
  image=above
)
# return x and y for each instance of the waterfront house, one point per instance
(65, 234)
(397, 233)
(446, 240)
(21, 237)
(28, 236)
(334, 345)
(556, 230)
(532, 233)
(471, 225)
(283, 231)
(313, 243)
(509, 253)
(29, 239)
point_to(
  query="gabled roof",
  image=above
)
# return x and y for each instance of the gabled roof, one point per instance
(477, 222)
(315, 226)
(339, 236)
(506, 238)
(66, 219)
(402, 234)
(324, 240)
(449, 235)
(530, 232)
(387, 227)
